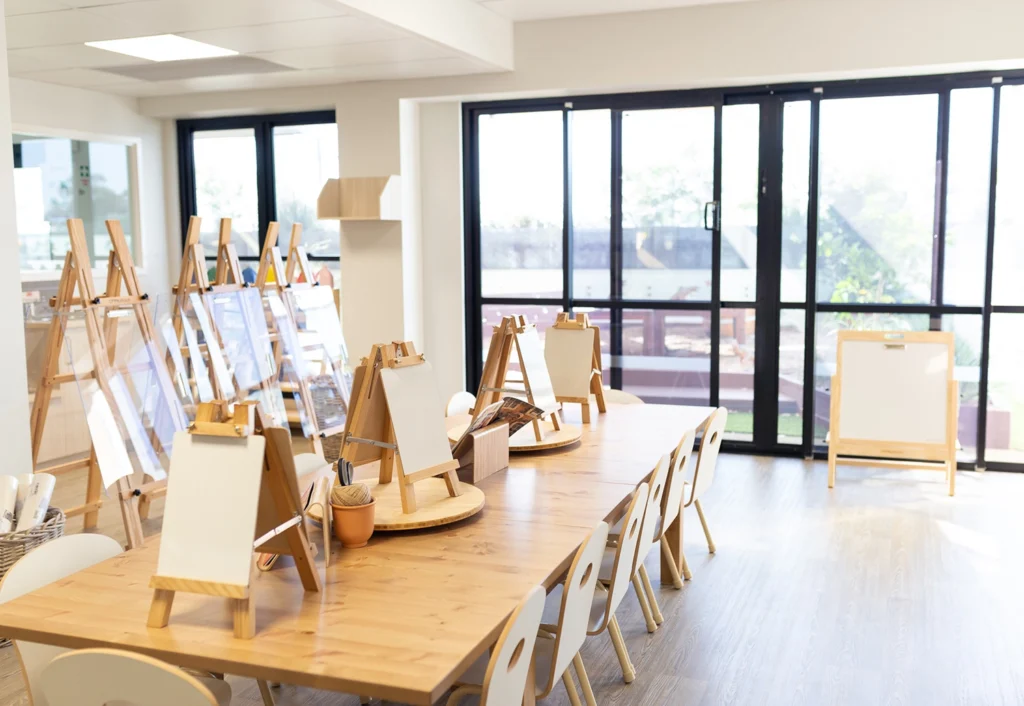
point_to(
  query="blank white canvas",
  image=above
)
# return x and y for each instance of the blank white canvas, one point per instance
(417, 414)
(536, 370)
(894, 394)
(212, 501)
(569, 354)
(111, 451)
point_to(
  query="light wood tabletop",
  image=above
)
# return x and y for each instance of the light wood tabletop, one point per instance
(399, 619)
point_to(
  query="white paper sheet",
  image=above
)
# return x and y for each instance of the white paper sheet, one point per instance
(569, 354)
(536, 370)
(417, 414)
(111, 453)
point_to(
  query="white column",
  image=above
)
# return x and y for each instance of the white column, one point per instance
(14, 405)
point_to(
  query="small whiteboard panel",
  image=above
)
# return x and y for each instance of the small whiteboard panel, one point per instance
(213, 493)
(569, 354)
(417, 414)
(893, 390)
(535, 369)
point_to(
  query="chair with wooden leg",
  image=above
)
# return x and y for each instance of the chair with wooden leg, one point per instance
(672, 505)
(98, 677)
(460, 403)
(559, 642)
(704, 473)
(51, 562)
(503, 679)
(649, 531)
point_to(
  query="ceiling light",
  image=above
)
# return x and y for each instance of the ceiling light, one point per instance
(162, 47)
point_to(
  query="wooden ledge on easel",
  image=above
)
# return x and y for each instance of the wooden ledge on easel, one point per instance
(486, 453)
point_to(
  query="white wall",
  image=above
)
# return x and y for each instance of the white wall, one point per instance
(14, 401)
(72, 112)
(741, 43)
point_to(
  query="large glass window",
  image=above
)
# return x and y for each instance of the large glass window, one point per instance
(722, 238)
(56, 179)
(258, 169)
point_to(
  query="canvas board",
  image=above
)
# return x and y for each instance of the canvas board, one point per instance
(535, 368)
(894, 391)
(569, 354)
(417, 414)
(213, 349)
(212, 503)
(110, 449)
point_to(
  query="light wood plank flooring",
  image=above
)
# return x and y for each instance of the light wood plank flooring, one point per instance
(883, 591)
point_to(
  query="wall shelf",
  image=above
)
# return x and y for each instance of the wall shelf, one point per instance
(361, 199)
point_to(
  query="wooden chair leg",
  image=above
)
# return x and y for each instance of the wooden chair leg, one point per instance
(644, 608)
(628, 670)
(453, 700)
(687, 574)
(652, 597)
(704, 524)
(268, 698)
(574, 698)
(666, 551)
(581, 674)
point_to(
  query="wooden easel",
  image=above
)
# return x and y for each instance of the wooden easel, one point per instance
(370, 434)
(76, 289)
(582, 323)
(495, 382)
(279, 524)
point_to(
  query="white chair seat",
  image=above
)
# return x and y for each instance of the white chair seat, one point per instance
(543, 653)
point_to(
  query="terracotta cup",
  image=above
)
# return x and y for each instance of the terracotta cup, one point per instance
(353, 524)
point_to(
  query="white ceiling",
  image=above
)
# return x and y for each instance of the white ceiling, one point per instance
(313, 41)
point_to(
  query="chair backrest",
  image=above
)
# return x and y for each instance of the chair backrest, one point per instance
(707, 457)
(41, 566)
(625, 554)
(621, 397)
(460, 403)
(672, 504)
(577, 598)
(652, 513)
(505, 681)
(99, 677)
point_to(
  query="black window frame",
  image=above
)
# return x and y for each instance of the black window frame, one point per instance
(263, 127)
(772, 95)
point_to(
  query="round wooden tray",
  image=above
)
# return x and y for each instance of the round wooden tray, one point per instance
(524, 440)
(434, 507)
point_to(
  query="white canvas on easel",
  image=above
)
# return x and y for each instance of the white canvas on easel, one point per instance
(111, 452)
(569, 354)
(417, 415)
(894, 401)
(212, 504)
(535, 370)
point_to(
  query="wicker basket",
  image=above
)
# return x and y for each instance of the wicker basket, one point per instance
(15, 545)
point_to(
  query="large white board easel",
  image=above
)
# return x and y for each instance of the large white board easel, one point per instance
(894, 402)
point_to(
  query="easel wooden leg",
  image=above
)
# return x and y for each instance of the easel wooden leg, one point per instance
(952, 477)
(93, 491)
(831, 467)
(585, 407)
(244, 612)
(408, 493)
(536, 430)
(451, 480)
(130, 513)
(160, 608)
(387, 459)
(555, 422)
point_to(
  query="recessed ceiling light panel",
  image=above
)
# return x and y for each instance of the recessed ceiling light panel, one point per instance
(162, 47)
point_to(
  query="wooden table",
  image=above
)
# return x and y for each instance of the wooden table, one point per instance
(399, 619)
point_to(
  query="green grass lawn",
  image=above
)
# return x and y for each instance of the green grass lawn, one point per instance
(743, 423)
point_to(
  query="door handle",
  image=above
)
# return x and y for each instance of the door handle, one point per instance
(711, 206)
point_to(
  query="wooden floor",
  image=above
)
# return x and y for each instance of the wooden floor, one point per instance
(883, 591)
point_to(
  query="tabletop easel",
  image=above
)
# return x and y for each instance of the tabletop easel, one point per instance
(277, 517)
(580, 323)
(77, 290)
(495, 382)
(370, 432)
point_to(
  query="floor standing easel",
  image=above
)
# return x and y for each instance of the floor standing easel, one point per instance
(76, 289)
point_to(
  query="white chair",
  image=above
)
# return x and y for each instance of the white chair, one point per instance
(620, 397)
(648, 532)
(504, 681)
(559, 641)
(672, 506)
(460, 403)
(704, 474)
(100, 677)
(44, 565)
(615, 575)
